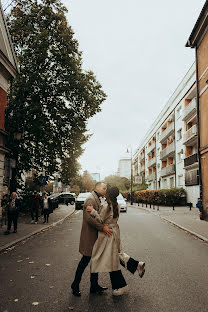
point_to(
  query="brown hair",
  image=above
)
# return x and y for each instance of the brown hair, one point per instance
(111, 196)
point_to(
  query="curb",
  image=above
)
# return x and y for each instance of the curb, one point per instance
(9, 245)
(176, 224)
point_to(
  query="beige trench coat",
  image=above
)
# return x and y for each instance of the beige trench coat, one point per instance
(90, 226)
(106, 250)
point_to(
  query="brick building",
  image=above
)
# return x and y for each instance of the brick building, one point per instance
(199, 41)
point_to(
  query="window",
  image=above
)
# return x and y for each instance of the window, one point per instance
(179, 157)
(180, 180)
(171, 182)
(179, 134)
(178, 112)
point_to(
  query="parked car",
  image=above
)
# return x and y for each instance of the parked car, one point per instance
(122, 203)
(62, 198)
(80, 200)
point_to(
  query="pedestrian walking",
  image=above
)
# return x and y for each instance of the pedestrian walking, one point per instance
(89, 234)
(12, 208)
(35, 207)
(107, 253)
(46, 207)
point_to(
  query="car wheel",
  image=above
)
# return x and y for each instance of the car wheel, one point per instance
(72, 202)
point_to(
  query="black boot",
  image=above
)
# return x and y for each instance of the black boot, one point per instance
(78, 275)
(75, 290)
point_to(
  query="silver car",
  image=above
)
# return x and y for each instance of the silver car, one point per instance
(122, 203)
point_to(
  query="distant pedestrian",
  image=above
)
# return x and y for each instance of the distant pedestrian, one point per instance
(35, 207)
(46, 207)
(199, 204)
(13, 206)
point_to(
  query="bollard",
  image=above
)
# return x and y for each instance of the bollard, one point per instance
(190, 206)
(153, 206)
(150, 205)
(173, 206)
(158, 208)
(138, 204)
(142, 204)
(146, 204)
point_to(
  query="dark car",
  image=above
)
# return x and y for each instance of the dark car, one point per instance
(66, 198)
(62, 198)
(80, 200)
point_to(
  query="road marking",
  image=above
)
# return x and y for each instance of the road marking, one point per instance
(78, 212)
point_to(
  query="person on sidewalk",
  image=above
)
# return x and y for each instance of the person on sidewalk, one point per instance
(89, 234)
(46, 207)
(13, 206)
(107, 253)
(35, 207)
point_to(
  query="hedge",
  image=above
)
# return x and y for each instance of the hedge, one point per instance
(176, 196)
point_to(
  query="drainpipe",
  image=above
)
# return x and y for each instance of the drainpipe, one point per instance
(198, 127)
(175, 148)
(156, 157)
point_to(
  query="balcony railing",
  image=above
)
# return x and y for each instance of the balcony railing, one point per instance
(191, 177)
(167, 151)
(152, 162)
(190, 109)
(167, 170)
(151, 177)
(166, 133)
(151, 147)
(190, 134)
(191, 160)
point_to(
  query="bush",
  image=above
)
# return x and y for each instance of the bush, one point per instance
(176, 196)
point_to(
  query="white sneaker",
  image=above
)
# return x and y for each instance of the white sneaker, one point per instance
(120, 291)
(36, 222)
(32, 221)
(141, 269)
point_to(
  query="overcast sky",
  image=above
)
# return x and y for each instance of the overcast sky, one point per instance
(137, 50)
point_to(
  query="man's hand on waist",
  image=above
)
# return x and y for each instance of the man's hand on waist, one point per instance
(107, 230)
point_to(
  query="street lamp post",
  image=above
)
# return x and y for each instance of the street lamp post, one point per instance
(131, 180)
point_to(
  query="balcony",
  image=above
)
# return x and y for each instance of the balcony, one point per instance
(151, 177)
(167, 170)
(170, 149)
(167, 132)
(190, 136)
(190, 109)
(191, 161)
(152, 162)
(191, 178)
(142, 169)
(141, 157)
(151, 147)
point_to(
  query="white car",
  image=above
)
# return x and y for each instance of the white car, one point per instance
(122, 203)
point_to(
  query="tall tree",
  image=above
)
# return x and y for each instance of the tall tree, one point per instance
(53, 97)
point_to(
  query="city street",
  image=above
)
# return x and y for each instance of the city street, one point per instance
(36, 274)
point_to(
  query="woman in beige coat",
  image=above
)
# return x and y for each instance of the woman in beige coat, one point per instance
(107, 254)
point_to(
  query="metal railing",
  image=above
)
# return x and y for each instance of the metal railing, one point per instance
(151, 147)
(167, 132)
(151, 177)
(167, 151)
(188, 161)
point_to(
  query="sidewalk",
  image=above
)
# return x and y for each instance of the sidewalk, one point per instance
(181, 217)
(26, 229)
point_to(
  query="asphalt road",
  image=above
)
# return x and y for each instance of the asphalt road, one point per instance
(40, 270)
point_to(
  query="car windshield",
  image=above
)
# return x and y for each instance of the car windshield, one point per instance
(120, 197)
(83, 195)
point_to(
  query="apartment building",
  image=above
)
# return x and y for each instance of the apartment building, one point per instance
(199, 41)
(124, 166)
(167, 156)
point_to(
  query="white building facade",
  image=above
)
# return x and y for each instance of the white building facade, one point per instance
(167, 156)
(124, 167)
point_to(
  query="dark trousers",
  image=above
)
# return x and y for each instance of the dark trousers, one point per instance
(117, 279)
(12, 217)
(34, 212)
(80, 270)
(46, 214)
(131, 265)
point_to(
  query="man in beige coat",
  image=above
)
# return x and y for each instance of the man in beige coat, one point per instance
(89, 234)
